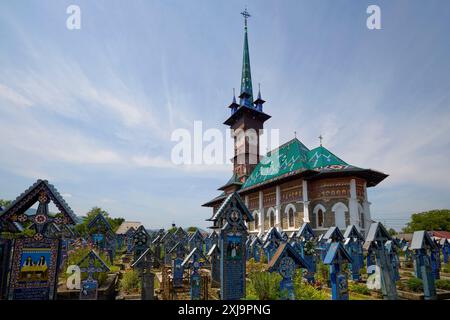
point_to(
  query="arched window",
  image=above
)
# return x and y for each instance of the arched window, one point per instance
(256, 217)
(271, 216)
(291, 218)
(319, 212)
(320, 218)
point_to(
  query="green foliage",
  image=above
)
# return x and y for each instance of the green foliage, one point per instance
(359, 288)
(4, 203)
(130, 281)
(173, 229)
(392, 232)
(263, 286)
(192, 229)
(414, 285)
(254, 266)
(446, 268)
(305, 291)
(23, 234)
(443, 284)
(81, 228)
(438, 220)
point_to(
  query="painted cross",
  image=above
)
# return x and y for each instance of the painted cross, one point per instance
(140, 241)
(445, 245)
(43, 249)
(196, 241)
(214, 258)
(332, 235)
(144, 264)
(89, 286)
(423, 246)
(285, 261)
(231, 218)
(168, 241)
(391, 249)
(194, 261)
(100, 231)
(376, 240)
(436, 260)
(256, 248)
(178, 252)
(129, 239)
(353, 244)
(306, 245)
(336, 257)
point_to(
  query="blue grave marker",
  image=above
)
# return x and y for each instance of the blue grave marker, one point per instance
(391, 249)
(353, 244)
(89, 286)
(436, 260)
(230, 219)
(214, 258)
(423, 246)
(140, 242)
(285, 261)
(306, 246)
(194, 261)
(336, 257)
(144, 264)
(196, 241)
(256, 248)
(178, 252)
(445, 245)
(376, 240)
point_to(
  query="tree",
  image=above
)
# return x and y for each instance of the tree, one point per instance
(192, 229)
(82, 227)
(434, 220)
(392, 232)
(4, 203)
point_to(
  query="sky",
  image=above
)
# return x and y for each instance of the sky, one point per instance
(92, 110)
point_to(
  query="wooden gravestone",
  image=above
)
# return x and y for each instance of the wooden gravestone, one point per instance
(91, 264)
(129, 239)
(285, 261)
(100, 232)
(196, 241)
(376, 240)
(306, 246)
(391, 249)
(256, 249)
(230, 219)
(194, 260)
(214, 258)
(354, 245)
(336, 257)
(178, 252)
(445, 246)
(156, 244)
(35, 261)
(140, 242)
(144, 264)
(423, 245)
(168, 240)
(436, 260)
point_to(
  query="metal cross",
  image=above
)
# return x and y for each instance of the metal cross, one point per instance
(246, 15)
(320, 138)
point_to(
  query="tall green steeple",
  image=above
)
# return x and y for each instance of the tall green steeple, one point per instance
(246, 95)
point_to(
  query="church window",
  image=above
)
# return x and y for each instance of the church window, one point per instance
(291, 222)
(320, 219)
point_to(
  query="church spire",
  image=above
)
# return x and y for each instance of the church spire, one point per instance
(246, 95)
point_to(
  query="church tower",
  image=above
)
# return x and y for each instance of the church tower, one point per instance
(246, 120)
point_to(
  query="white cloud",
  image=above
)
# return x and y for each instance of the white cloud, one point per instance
(13, 97)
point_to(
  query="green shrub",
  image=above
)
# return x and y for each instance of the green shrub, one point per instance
(263, 286)
(130, 282)
(358, 288)
(443, 284)
(414, 284)
(305, 291)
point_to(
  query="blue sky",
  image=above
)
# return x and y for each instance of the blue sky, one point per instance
(92, 110)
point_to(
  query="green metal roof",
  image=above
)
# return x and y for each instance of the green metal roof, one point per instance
(290, 158)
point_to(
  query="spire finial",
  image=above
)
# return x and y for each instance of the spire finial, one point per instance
(246, 15)
(320, 139)
(259, 90)
(234, 96)
(295, 134)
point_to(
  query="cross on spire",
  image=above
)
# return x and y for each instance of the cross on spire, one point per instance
(246, 15)
(295, 134)
(320, 139)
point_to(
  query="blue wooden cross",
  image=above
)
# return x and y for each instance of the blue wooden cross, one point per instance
(285, 261)
(194, 261)
(445, 245)
(214, 258)
(178, 252)
(391, 249)
(376, 240)
(436, 260)
(306, 244)
(353, 244)
(423, 245)
(336, 257)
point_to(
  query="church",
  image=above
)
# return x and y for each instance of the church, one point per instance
(291, 184)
